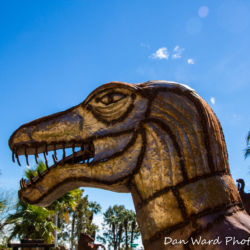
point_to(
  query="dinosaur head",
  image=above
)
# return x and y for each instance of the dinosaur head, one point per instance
(241, 185)
(149, 139)
(104, 126)
(86, 238)
(241, 181)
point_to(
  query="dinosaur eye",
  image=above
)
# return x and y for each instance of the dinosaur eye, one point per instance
(110, 98)
(106, 99)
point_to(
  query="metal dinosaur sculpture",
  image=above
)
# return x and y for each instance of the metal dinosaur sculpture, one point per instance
(245, 197)
(158, 140)
(83, 243)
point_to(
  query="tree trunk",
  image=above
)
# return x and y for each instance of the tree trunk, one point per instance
(126, 232)
(120, 236)
(132, 233)
(72, 230)
(56, 222)
(113, 229)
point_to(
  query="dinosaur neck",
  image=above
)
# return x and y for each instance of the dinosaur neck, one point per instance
(242, 187)
(169, 200)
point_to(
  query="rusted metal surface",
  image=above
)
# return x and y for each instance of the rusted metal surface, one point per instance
(158, 140)
(83, 243)
(245, 197)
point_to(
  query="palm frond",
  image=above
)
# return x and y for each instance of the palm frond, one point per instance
(248, 138)
(247, 152)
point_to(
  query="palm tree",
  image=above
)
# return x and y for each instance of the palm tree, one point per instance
(8, 202)
(119, 227)
(2, 205)
(82, 216)
(247, 150)
(95, 208)
(31, 222)
(63, 206)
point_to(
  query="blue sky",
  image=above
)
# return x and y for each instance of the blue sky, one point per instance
(54, 53)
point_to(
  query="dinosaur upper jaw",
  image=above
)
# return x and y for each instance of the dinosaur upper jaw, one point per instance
(75, 170)
(108, 173)
(85, 153)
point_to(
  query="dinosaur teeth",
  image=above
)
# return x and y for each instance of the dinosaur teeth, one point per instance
(64, 154)
(18, 160)
(39, 174)
(45, 157)
(81, 152)
(83, 157)
(36, 156)
(26, 156)
(53, 157)
(27, 160)
(46, 149)
(73, 150)
(47, 166)
(55, 152)
(13, 156)
(85, 154)
(23, 183)
(36, 159)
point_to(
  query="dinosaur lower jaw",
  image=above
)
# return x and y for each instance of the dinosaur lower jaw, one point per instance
(60, 180)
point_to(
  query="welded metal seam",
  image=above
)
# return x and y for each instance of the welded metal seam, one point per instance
(192, 218)
(140, 157)
(209, 225)
(223, 139)
(203, 120)
(205, 129)
(150, 95)
(176, 145)
(179, 185)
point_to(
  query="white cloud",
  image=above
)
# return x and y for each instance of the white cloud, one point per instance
(145, 45)
(161, 53)
(212, 99)
(190, 61)
(177, 52)
(203, 11)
